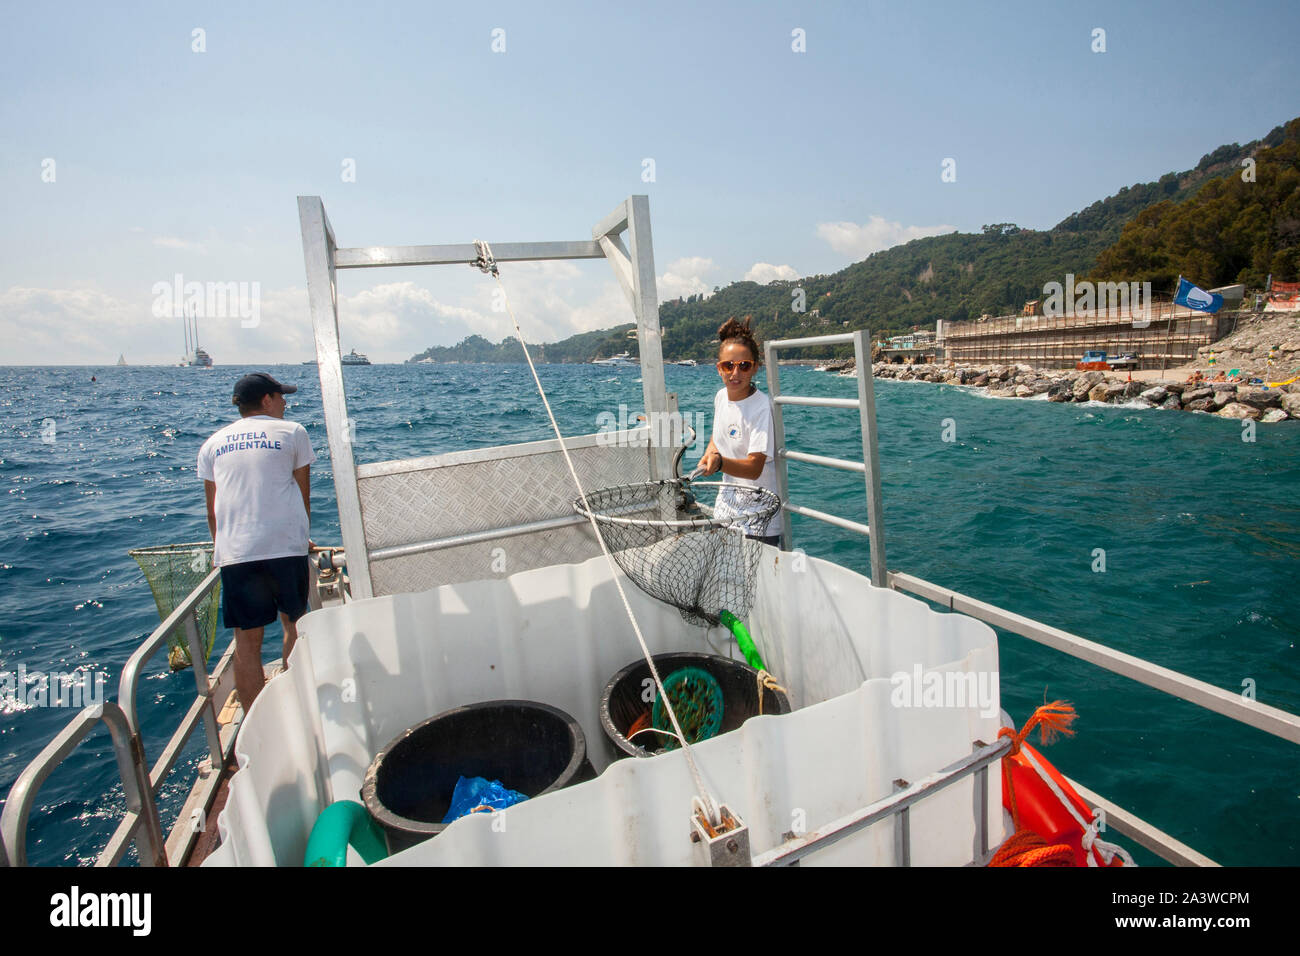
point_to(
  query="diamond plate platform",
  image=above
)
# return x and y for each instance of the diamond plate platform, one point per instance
(419, 504)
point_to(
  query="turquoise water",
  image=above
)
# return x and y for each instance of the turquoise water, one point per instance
(1200, 533)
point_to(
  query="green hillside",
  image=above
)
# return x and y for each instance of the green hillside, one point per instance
(1233, 229)
(1204, 222)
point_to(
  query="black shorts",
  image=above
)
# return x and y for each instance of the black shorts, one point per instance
(253, 593)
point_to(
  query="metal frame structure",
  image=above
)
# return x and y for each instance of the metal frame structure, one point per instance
(869, 467)
(896, 805)
(633, 265)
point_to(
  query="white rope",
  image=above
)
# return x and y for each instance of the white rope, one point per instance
(1090, 827)
(488, 265)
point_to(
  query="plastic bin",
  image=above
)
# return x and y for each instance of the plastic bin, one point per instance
(530, 747)
(624, 697)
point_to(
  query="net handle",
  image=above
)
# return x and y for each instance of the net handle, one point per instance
(580, 506)
(653, 522)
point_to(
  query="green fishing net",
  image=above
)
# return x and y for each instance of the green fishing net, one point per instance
(173, 572)
(696, 697)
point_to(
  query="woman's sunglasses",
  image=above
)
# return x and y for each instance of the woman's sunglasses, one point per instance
(729, 367)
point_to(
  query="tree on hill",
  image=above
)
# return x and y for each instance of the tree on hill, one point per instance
(1238, 227)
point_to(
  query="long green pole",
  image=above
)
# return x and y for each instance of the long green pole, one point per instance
(743, 640)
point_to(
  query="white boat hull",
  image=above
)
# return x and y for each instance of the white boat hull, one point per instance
(371, 669)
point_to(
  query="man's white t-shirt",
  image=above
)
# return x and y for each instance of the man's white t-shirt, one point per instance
(260, 512)
(740, 429)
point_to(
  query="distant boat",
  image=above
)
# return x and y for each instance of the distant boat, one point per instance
(622, 359)
(197, 358)
(121, 360)
(355, 358)
(689, 363)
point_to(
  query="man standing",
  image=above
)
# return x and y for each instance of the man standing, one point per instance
(256, 476)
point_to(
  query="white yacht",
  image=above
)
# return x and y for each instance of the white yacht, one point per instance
(417, 617)
(622, 360)
(354, 358)
(195, 356)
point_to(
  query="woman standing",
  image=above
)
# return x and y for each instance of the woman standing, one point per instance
(743, 445)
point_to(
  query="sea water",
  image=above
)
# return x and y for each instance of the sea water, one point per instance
(1168, 535)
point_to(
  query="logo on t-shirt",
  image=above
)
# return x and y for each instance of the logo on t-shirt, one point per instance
(733, 431)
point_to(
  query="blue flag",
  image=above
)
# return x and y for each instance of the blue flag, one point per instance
(1197, 298)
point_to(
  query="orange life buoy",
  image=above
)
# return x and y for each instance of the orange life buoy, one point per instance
(1041, 809)
(1045, 827)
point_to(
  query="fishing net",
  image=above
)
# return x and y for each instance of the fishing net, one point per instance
(696, 697)
(680, 551)
(173, 572)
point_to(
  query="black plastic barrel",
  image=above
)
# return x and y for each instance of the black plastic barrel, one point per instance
(529, 747)
(625, 697)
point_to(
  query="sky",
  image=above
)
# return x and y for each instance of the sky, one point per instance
(145, 146)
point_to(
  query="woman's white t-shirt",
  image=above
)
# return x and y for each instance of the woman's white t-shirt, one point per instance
(739, 430)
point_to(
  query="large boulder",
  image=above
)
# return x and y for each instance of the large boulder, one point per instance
(1199, 405)
(1085, 383)
(1238, 410)
(1156, 394)
(1023, 391)
(1222, 397)
(1061, 391)
(1172, 403)
(1115, 391)
(1200, 391)
(1274, 415)
(1098, 393)
(1132, 389)
(1291, 404)
(980, 381)
(1260, 397)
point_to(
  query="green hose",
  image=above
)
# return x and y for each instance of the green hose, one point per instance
(743, 640)
(342, 823)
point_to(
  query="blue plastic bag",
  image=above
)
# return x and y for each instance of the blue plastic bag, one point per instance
(474, 792)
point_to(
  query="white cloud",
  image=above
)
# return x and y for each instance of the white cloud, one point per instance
(74, 326)
(388, 321)
(860, 241)
(685, 277)
(398, 314)
(765, 272)
(172, 242)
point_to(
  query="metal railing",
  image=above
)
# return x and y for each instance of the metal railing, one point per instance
(869, 467)
(141, 822)
(1270, 719)
(897, 805)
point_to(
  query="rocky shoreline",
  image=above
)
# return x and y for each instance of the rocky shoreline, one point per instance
(1224, 399)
